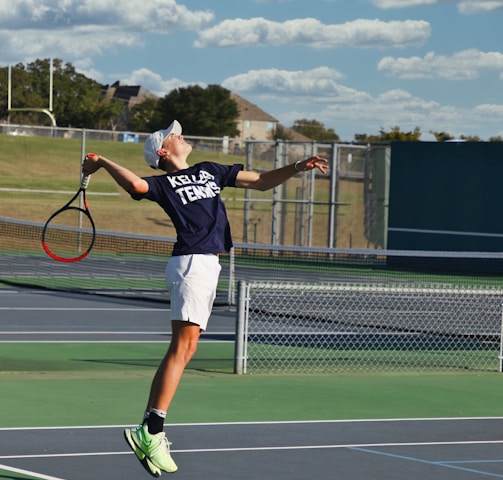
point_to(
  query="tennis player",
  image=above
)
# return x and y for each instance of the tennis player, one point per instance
(190, 196)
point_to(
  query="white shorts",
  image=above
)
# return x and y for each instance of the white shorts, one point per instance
(192, 281)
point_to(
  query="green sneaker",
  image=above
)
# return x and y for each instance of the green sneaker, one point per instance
(144, 460)
(155, 448)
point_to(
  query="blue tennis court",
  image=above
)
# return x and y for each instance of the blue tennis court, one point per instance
(461, 446)
(380, 449)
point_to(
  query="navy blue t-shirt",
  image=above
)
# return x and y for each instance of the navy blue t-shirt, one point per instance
(191, 198)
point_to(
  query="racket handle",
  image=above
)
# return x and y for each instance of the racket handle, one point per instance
(85, 182)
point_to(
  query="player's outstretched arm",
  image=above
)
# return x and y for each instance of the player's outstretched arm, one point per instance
(273, 178)
(125, 178)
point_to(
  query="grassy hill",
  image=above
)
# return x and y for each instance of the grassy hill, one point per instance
(38, 175)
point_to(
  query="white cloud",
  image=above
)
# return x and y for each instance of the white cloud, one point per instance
(385, 4)
(85, 66)
(390, 109)
(154, 82)
(400, 108)
(467, 64)
(469, 7)
(314, 85)
(75, 29)
(319, 94)
(490, 110)
(466, 7)
(311, 32)
(158, 15)
(74, 43)
(349, 110)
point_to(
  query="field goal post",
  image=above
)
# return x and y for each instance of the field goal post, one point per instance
(48, 111)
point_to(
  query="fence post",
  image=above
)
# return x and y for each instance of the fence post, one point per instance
(239, 344)
(231, 297)
(501, 342)
(276, 234)
(332, 215)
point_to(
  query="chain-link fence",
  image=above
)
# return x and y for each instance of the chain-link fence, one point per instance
(347, 208)
(320, 328)
(210, 144)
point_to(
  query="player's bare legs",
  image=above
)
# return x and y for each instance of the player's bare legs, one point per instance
(182, 348)
(148, 441)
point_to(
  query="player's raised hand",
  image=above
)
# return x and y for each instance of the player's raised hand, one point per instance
(311, 163)
(90, 164)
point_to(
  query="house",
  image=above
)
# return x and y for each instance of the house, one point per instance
(253, 123)
(129, 95)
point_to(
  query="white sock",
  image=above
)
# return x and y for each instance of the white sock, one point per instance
(159, 413)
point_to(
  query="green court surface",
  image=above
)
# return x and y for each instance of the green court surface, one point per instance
(67, 384)
(9, 475)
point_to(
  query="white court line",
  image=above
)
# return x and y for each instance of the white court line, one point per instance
(83, 309)
(148, 342)
(85, 332)
(27, 472)
(272, 422)
(100, 332)
(262, 449)
(205, 337)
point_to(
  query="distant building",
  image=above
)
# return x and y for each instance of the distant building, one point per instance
(256, 124)
(129, 95)
(253, 123)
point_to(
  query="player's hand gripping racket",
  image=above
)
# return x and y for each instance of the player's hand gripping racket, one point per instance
(69, 234)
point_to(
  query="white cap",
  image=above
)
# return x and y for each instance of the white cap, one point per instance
(154, 143)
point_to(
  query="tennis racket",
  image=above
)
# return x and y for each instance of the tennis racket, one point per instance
(69, 233)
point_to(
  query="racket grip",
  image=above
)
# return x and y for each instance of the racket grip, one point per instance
(85, 182)
(85, 179)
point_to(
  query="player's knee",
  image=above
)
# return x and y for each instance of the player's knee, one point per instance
(190, 352)
(183, 350)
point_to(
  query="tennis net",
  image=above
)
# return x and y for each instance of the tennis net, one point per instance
(306, 309)
(367, 327)
(134, 264)
(120, 264)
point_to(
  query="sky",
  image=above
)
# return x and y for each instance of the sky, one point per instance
(356, 66)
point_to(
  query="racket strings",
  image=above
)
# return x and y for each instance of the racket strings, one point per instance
(69, 234)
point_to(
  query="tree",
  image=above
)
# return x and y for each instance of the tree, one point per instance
(108, 112)
(202, 111)
(470, 138)
(394, 135)
(144, 116)
(281, 133)
(25, 93)
(442, 136)
(315, 130)
(77, 100)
